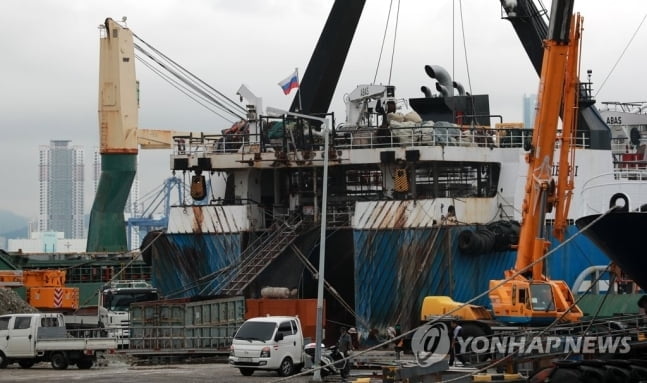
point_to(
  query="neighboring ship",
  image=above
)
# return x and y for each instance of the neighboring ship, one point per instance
(619, 232)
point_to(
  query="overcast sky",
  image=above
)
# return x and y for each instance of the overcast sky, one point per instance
(50, 52)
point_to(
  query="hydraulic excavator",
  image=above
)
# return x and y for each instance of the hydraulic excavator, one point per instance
(527, 295)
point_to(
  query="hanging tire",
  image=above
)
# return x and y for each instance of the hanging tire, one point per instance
(246, 371)
(59, 361)
(287, 367)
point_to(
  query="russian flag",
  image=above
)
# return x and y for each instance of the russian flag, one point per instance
(290, 82)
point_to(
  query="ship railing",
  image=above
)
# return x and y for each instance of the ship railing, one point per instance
(363, 138)
(630, 170)
(428, 135)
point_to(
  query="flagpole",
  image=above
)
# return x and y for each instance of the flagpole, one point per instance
(299, 90)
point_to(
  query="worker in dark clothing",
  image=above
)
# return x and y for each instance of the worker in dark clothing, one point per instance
(454, 350)
(344, 345)
(399, 342)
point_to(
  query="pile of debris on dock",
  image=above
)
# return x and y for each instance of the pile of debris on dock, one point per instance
(11, 303)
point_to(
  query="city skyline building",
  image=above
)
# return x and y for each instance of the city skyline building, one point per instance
(61, 176)
(529, 110)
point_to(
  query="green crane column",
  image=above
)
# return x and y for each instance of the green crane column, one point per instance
(107, 231)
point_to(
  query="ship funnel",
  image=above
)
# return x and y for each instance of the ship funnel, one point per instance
(445, 85)
(460, 88)
(426, 91)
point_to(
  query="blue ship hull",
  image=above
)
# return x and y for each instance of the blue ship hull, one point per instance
(395, 270)
(383, 274)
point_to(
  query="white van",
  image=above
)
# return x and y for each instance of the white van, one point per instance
(268, 343)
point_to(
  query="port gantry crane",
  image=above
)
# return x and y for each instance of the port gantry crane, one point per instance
(528, 295)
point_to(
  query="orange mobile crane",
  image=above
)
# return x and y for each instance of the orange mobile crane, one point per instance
(45, 289)
(527, 295)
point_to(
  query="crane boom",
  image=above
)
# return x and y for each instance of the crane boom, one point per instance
(517, 298)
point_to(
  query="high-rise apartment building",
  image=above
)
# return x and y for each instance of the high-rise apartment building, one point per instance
(529, 110)
(61, 189)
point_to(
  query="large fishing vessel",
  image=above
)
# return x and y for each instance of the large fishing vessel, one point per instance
(422, 193)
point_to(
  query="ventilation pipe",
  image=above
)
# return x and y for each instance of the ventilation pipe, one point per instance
(445, 84)
(426, 91)
(460, 88)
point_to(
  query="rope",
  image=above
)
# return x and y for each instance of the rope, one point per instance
(395, 34)
(386, 27)
(467, 65)
(183, 89)
(200, 81)
(186, 81)
(621, 55)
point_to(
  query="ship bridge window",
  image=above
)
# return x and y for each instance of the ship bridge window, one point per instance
(457, 179)
(364, 182)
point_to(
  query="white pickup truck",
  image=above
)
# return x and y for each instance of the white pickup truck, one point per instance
(31, 338)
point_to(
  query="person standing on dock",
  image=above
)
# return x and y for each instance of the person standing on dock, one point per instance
(454, 350)
(344, 345)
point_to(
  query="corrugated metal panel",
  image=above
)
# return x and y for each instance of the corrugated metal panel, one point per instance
(181, 260)
(396, 269)
(424, 213)
(214, 219)
(175, 325)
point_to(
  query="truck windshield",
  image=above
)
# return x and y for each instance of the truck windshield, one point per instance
(256, 331)
(120, 301)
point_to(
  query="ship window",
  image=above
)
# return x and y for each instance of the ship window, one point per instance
(457, 179)
(363, 182)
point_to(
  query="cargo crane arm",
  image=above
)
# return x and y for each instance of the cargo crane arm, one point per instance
(528, 18)
(530, 296)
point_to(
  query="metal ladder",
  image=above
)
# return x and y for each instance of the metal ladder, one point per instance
(257, 257)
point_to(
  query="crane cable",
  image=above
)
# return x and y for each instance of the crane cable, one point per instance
(467, 64)
(189, 84)
(386, 28)
(395, 34)
(192, 81)
(621, 55)
(183, 88)
(191, 75)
